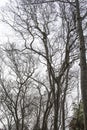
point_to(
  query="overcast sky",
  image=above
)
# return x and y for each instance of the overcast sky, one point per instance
(4, 29)
(2, 2)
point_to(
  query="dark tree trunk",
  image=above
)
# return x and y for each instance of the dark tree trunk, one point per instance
(82, 62)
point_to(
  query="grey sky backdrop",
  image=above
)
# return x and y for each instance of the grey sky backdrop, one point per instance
(5, 32)
(3, 28)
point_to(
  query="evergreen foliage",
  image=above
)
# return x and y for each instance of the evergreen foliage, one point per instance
(77, 122)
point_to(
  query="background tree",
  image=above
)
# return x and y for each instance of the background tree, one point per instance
(47, 34)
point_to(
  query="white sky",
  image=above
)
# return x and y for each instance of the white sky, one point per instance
(5, 31)
(3, 2)
(2, 28)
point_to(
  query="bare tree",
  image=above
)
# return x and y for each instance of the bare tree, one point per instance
(15, 97)
(50, 36)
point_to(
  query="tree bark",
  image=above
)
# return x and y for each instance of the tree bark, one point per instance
(82, 62)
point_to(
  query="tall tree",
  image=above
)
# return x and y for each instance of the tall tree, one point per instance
(83, 63)
(48, 34)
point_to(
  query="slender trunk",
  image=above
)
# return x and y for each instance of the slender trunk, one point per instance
(64, 99)
(55, 116)
(82, 62)
(52, 80)
(17, 125)
(56, 108)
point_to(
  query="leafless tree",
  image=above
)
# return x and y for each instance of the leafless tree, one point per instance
(48, 33)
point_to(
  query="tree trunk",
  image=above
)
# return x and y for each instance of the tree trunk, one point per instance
(82, 62)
